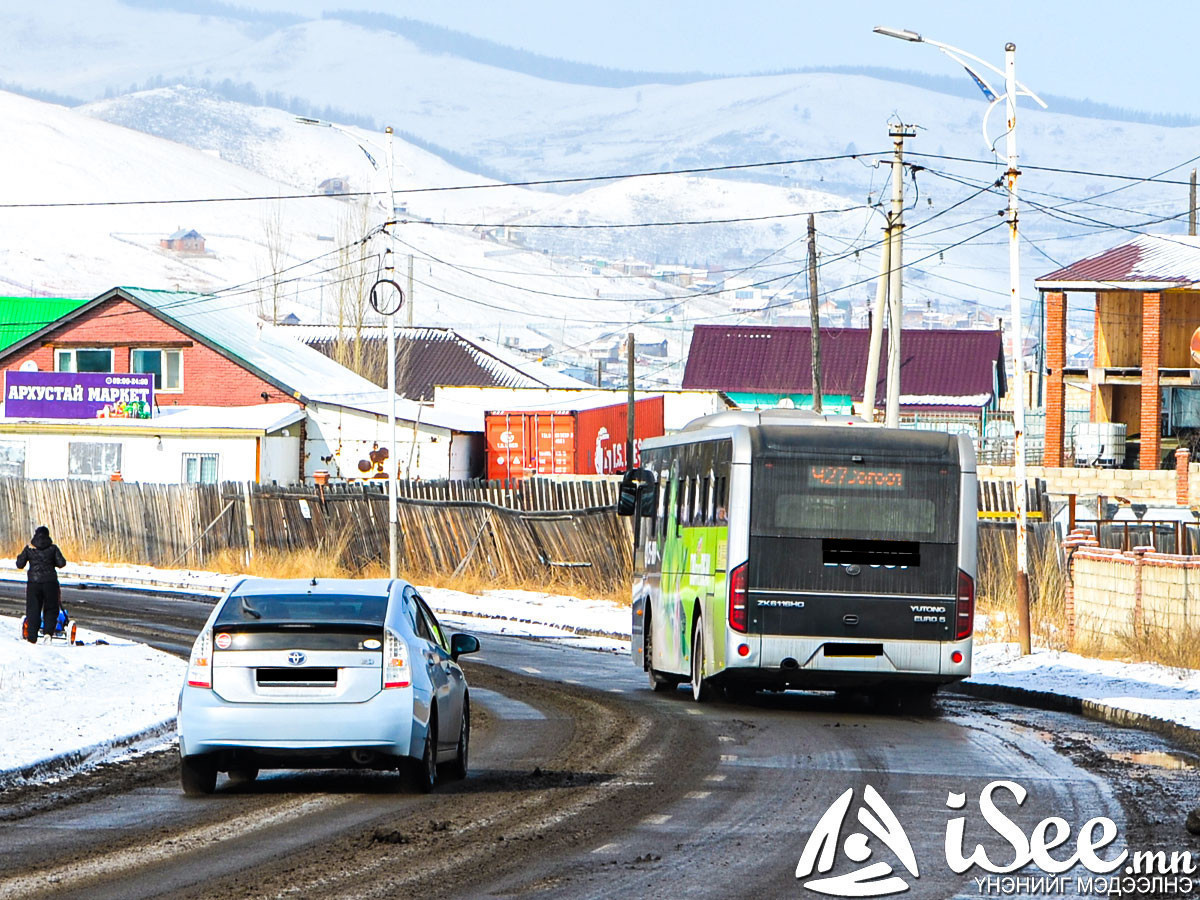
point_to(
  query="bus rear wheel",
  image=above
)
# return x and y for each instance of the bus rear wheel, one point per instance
(702, 689)
(658, 681)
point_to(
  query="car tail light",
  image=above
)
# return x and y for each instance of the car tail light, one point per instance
(966, 606)
(396, 673)
(738, 617)
(200, 662)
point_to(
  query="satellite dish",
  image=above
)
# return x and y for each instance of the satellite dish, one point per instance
(30, 365)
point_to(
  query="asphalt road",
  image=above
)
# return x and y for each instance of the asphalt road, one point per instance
(586, 784)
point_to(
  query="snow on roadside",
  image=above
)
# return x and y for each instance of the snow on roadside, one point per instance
(58, 699)
(592, 624)
(1162, 692)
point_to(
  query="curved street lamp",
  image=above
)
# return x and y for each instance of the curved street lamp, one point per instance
(1012, 89)
(392, 469)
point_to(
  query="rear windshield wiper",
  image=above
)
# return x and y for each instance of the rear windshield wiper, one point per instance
(249, 610)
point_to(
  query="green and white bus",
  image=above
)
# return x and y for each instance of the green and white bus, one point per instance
(784, 549)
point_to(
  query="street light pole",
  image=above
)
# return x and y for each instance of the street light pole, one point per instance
(1014, 287)
(1012, 88)
(394, 468)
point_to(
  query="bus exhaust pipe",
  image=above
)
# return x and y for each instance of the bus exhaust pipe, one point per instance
(362, 757)
(789, 663)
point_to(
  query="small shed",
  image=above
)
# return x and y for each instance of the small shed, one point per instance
(186, 240)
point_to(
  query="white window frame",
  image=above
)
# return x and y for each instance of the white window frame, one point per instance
(119, 453)
(199, 457)
(163, 350)
(70, 353)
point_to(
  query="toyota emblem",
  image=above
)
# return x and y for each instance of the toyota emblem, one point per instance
(296, 658)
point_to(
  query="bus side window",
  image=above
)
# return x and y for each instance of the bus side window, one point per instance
(722, 499)
(704, 501)
(710, 510)
(680, 490)
(664, 487)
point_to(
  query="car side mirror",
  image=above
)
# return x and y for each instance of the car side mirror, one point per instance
(463, 643)
(636, 493)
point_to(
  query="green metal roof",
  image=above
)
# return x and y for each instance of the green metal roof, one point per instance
(22, 316)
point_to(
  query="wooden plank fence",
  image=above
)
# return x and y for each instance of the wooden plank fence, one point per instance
(997, 500)
(536, 530)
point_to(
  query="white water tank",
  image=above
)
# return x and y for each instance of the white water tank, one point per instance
(1100, 444)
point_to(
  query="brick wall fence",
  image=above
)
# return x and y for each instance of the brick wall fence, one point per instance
(1158, 488)
(1115, 599)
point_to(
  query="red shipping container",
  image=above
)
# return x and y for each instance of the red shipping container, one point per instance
(567, 442)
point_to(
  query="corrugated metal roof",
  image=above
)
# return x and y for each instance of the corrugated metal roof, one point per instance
(1148, 262)
(950, 365)
(426, 357)
(298, 368)
(22, 316)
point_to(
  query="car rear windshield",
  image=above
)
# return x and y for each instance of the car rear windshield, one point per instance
(331, 608)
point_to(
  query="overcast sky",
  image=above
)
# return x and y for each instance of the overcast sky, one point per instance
(1126, 54)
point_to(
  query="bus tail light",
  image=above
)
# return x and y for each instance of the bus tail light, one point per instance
(966, 606)
(396, 673)
(199, 673)
(739, 619)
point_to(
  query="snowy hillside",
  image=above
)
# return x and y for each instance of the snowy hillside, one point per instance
(519, 277)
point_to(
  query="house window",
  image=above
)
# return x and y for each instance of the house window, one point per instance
(92, 459)
(165, 365)
(83, 360)
(12, 459)
(200, 468)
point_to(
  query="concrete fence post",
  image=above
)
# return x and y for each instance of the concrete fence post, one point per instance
(1182, 458)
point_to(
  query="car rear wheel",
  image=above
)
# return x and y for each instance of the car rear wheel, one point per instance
(243, 774)
(423, 771)
(457, 770)
(197, 775)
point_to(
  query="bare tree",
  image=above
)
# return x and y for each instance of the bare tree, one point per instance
(277, 242)
(352, 286)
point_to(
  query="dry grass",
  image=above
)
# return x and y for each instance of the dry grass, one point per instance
(997, 592)
(332, 560)
(1179, 648)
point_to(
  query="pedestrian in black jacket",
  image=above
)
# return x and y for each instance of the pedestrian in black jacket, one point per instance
(41, 592)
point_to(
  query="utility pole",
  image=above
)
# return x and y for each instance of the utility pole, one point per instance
(1192, 206)
(629, 406)
(814, 314)
(881, 291)
(1014, 276)
(895, 273)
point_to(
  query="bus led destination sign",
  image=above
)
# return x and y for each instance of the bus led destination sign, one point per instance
(856, 477)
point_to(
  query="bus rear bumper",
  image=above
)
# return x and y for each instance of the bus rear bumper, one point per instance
(835, 663)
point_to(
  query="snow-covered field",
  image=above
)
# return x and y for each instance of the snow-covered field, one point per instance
(83, 703)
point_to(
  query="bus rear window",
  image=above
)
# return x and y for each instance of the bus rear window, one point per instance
(799, 497)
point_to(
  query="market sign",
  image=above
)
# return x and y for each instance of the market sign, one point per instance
(78, 395)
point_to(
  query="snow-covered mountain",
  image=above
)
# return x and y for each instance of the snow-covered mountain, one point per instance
(491, 269)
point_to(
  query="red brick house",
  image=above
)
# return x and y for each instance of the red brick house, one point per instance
(1147, 322)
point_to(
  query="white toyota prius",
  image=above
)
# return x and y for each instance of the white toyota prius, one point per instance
(324, 673)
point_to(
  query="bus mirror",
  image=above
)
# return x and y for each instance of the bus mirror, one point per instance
(636, 493)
